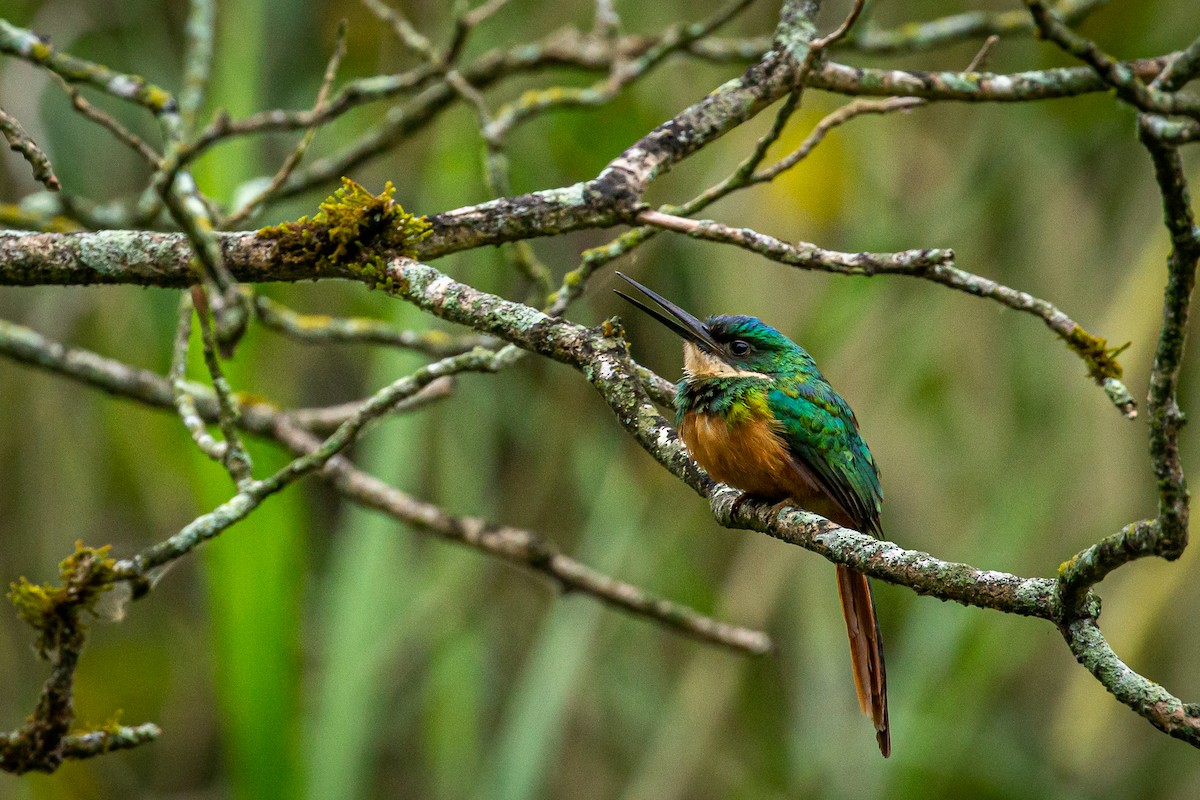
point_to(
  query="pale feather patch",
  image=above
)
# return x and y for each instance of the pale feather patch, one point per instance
(699, 365)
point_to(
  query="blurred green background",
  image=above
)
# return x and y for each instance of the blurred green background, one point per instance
(320, 651)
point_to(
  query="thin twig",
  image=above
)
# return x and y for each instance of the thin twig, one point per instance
(106, 121)
(853, 110)
(322, 329)
(404, 30)
(802, 254)
(19, 142)
(328, 418)
(185, 401)
(955, 28)
(200, 33)
(235, 458)
(839, 33)
(253, 492)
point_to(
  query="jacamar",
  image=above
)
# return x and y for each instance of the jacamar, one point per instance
(757, 414)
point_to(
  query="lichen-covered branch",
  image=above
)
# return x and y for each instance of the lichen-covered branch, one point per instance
(921, 572)
(1167, 534)
(57, 613)
(32, 48)
(936, 265)
(163, 260)
(1164, 710)
(19, 142)
(976, 87)
(601, 355)
(1122, 77)
(1166, 420)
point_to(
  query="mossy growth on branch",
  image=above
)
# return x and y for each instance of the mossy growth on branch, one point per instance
(1100, 358)
(353, 231)
(54, 610)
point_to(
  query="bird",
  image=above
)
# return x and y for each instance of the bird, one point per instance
(756, 413)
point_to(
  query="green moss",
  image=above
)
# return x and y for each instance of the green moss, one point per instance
(1100, 358)
(54, 610)
(353, 231)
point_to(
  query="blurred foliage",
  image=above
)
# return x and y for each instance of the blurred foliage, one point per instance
(321, 651)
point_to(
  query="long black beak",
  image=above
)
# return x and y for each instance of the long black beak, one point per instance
(680, 321)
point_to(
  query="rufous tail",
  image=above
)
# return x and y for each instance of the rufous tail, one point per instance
(866, 651)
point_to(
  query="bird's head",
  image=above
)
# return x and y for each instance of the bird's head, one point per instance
(724, 346)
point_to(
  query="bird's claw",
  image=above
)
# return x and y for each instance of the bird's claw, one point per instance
(737, 504)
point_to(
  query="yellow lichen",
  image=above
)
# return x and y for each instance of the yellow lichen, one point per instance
(54, 610)
(158, 100)
(612, 328)
(1099, 357)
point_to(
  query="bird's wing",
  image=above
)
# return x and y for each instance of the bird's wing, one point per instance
(821, 432)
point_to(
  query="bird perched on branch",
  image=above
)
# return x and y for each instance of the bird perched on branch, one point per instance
(756, 413)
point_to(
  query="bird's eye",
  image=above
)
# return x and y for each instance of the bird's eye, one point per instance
(739, 347)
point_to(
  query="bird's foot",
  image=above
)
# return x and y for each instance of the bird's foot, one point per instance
(737, 504)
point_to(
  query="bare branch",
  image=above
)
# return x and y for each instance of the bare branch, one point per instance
(185, 401)
(525, 549)
(29, 46)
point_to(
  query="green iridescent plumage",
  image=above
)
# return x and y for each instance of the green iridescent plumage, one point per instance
(815, 423)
